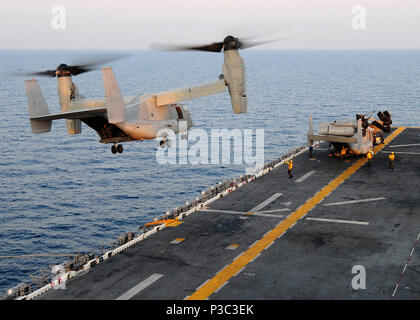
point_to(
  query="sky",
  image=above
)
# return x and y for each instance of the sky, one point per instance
(130, 24)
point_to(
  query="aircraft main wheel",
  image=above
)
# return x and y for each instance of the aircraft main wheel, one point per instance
(169, 143)
(162, 143)
(114, 149)
(120, 148)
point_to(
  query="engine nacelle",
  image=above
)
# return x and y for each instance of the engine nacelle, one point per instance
(66, 92)
(234, 73)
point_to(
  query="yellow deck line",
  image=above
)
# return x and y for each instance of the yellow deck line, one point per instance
(230, 270)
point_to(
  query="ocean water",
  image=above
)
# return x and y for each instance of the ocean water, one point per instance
(62, 194)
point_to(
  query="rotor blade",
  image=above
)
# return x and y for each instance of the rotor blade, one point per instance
(256, 30)
(386, 120)
(214, 47)
(250, 44)
(90, 63)
(75, 70)
(388, 116)
(378, 125)
(85, 64)
(47, 73)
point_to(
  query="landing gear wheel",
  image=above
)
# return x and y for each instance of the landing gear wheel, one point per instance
(169, 143)
(120, 148)
(114, 149)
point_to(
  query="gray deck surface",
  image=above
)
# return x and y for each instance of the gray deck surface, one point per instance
(312, 260)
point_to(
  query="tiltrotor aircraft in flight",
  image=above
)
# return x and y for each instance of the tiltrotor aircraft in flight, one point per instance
(119, 119)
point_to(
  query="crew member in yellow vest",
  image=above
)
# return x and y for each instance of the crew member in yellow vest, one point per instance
(290, 163)
(369, 156)
(391, 161)
(343, 153)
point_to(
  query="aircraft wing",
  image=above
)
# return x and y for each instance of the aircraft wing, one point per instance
(77, 114)
(332, 138)
(173, 96)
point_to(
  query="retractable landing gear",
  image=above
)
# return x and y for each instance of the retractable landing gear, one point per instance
(117, 148)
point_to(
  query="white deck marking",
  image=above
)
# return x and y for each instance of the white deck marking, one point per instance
(305, 176)
(338, 221)
(269, 245)
(239, 271)
(274, 210)
(255, 258)
(404, 145)
(254, 243)
(177, 240)
(244, 213)
(400, 152)
(266, 202)
(142, 285)
(238, 256)
(353, 201)
(203, 284)
(221, 269)
(395, 290)
(232, 246)
(220, 288)
(223, 211)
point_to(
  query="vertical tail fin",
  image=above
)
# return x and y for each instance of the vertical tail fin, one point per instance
(359, 134)
(114, 101)
(37, 107)
(310, 131)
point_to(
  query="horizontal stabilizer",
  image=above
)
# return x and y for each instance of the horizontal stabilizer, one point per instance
(113, 98)
(78, 114)
(37, 107)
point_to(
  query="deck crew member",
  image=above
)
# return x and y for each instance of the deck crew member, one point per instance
(310, 151)
(391, 160)
(343, 153)
(369, 157)
(290, 163)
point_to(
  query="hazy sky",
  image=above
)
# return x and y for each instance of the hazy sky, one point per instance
(129, 24)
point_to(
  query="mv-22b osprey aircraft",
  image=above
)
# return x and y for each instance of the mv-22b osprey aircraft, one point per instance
(352, 136)
(122, 119)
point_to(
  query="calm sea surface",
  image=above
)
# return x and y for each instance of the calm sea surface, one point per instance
(61, 194)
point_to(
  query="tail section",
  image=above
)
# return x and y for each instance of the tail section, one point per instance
(114, 101)
(310, 132)
(37, 107)
(359, 134)
(67, 92)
